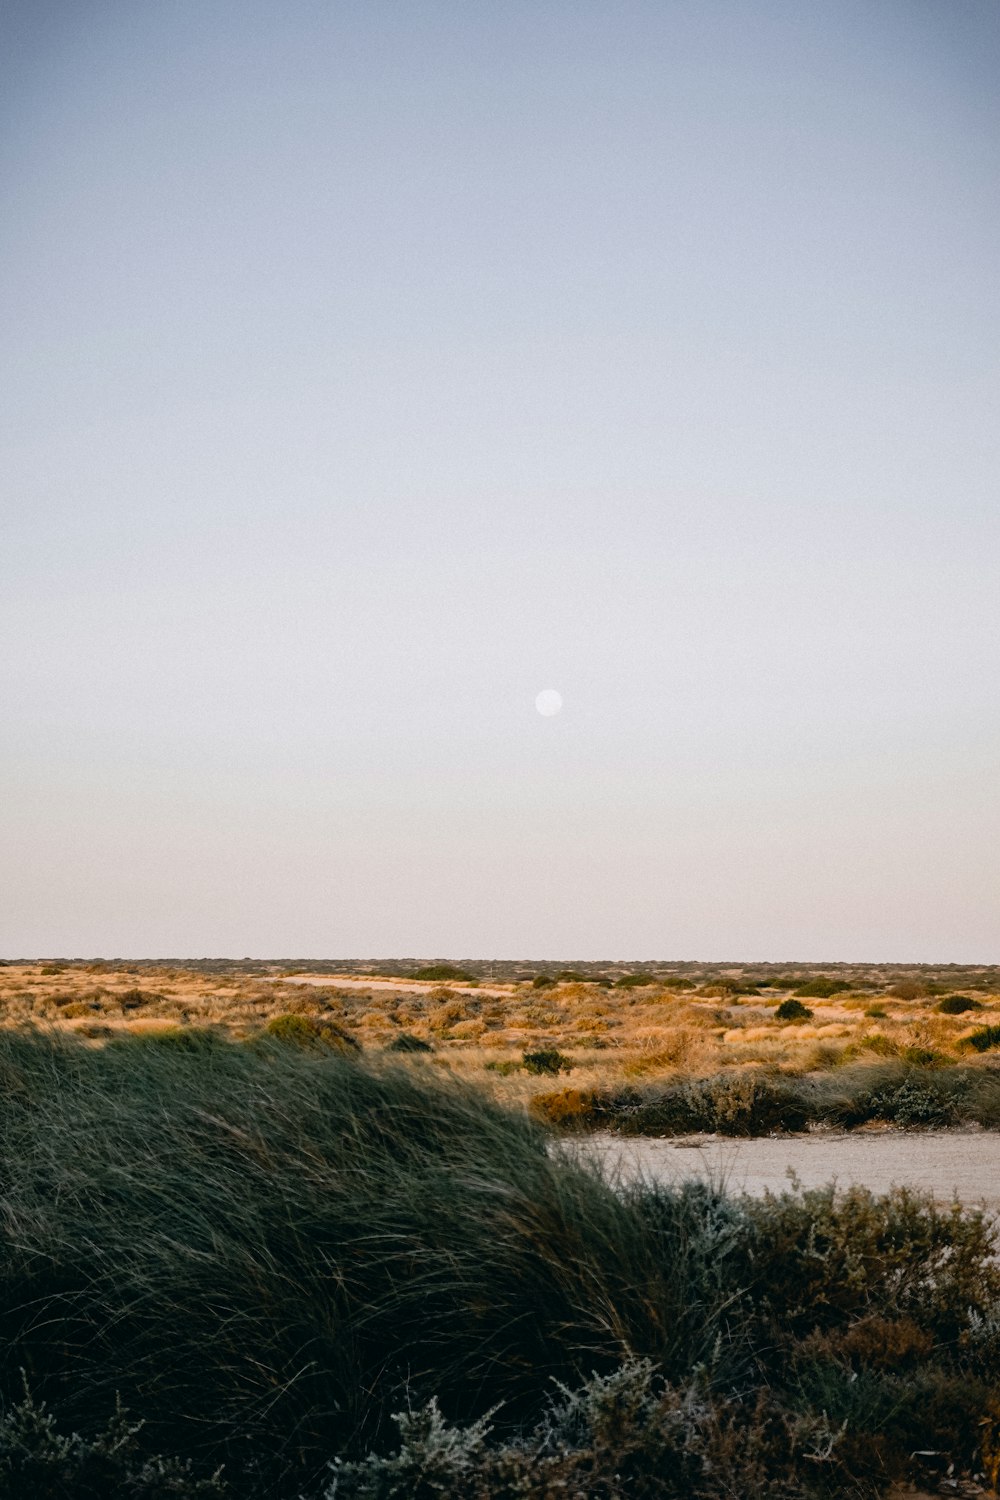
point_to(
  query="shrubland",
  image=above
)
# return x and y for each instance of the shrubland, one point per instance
(606, 1045)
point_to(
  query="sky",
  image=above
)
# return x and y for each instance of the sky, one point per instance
(373, 367)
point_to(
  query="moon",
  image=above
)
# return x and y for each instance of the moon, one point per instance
(548, 702)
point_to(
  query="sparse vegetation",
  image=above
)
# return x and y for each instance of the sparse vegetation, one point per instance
(663, 1024)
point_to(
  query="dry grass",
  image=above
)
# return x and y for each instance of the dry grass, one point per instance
(610, 1036)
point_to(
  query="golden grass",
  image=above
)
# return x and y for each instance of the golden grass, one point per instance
(607, 1036)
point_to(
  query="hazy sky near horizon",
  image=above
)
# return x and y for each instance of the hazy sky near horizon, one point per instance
(372, 367)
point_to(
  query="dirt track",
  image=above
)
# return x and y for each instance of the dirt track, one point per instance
(401, 986)
(944, 1162)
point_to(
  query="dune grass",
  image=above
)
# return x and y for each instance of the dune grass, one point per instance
(268, 1250)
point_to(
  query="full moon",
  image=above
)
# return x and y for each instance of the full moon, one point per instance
(548, 702)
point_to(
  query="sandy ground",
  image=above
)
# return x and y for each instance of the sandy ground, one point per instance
(945, 1163)
(400, 986)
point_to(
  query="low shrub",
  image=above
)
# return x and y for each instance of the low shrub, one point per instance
(630, 1435)
(572, 1108)
(984, 1039)
(441, 972)
(546, 1060)
(134, 999)
(957, 1005)
(909, 989)
(914, 1102)
(739, 1103)
(635, 981)
(38, 1462)
(793, 1010)
(821, 988)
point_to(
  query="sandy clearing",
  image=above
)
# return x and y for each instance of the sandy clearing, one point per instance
(397, 986)
(945, 1163)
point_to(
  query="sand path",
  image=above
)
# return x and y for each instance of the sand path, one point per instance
(399, 986)
(945, 1163)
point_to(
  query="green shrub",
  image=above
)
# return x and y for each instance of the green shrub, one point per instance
(957, 1005)
(635, 981)
(542, 982)
(629, 1435)
(38, 1462)
(822, 988)
(913, 1102)
(793, 1010)
(442, 971)
(738, 1103)
(546, 1060)
(984, 1039)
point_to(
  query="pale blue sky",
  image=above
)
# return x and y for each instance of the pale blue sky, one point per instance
(371, 367)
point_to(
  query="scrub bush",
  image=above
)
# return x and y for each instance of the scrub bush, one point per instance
(546, 1060)
(957, 1005)
(793, 1010)
(985, 1039)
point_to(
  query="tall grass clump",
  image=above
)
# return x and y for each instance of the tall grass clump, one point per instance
(274, 1246)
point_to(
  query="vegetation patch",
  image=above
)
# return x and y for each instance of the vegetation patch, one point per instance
(985, 1039)
(957, 1005)
(821, 988)
(793, 1010)
(548, 1061)
(443, 972)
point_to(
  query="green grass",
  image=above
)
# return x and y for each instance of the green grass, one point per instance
(268, 1250)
